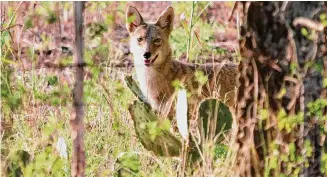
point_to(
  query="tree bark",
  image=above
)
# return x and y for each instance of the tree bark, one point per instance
(76, 122)
(283, 48)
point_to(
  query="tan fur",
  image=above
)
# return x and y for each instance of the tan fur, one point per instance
(156, 79)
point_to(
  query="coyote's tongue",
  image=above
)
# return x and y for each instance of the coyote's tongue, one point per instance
(149, 62)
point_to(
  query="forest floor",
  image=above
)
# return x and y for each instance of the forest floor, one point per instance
(37, 78)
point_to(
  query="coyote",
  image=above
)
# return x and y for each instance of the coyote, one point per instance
(156, 69)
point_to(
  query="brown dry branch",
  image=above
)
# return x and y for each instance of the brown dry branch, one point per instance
(308, 23)
(76, 122)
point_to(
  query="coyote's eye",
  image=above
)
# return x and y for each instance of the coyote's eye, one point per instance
(140, 39)
(157, 41)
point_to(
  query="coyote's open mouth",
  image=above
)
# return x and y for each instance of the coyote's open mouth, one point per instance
(150, 61)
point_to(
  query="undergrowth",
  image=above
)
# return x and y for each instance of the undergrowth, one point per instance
(36, 103)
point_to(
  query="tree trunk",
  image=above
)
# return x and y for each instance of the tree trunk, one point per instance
(280, 124)
(76, 122)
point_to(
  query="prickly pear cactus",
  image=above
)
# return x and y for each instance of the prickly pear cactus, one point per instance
(152, 131)
(154, 134)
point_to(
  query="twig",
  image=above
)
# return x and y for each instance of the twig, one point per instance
(295, 96)
(108, 95)
(256, 88)
(202, 12)
(233, 11)
(190, 30)
(14, 14)
(7, 28)
(197, 37)
(308, 23)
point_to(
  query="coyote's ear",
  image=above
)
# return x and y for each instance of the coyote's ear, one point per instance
(133, 19)
(166, 19)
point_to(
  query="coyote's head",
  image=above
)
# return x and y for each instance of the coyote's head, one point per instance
(149, 42)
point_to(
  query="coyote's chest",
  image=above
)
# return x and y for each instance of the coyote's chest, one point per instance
(156, 86)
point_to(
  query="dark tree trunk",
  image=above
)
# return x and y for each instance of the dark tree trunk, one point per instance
(283, 48)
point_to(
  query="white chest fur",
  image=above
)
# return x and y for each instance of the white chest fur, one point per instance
(156, 86)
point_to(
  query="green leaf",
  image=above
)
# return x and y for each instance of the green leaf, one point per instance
(53, 80)
(51, 18)
(166, 125)
(95, 72)
(8, 61)
(130, 162)
(324, 23)
(177, 84)
(322, 16)
(281, 93)
(220, 151)
(55, 101)
(200, 77)
(28, 23)
(304, 32)
(264, 114)
(14, 100)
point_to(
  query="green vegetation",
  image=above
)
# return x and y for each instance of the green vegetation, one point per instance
(36, 102)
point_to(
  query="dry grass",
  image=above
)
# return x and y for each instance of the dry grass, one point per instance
(36, 82)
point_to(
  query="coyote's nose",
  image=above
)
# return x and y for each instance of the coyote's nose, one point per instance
(147, 55)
